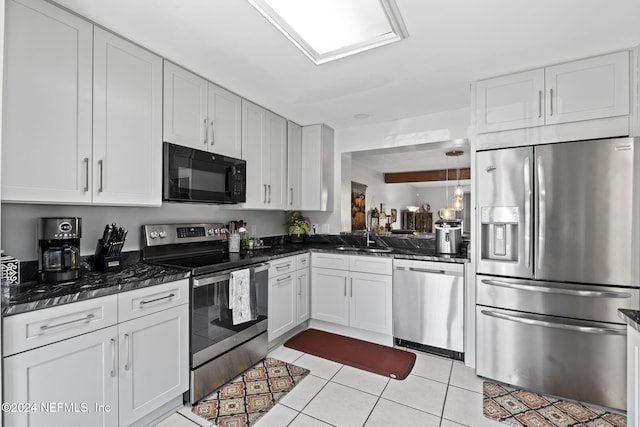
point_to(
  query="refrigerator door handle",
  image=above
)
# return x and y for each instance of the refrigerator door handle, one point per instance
(542, 212)
(527, 212)
(530, 320)
(581, 292)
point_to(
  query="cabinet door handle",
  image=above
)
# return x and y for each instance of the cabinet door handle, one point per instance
(299, 286)
(86, 171)
(283, 267)
(345, 287)
(551, 102)
(283, 279)
(100, 165)
(157, 299)
(206, 132)
(265, 194)
(351, 287)
(113, 358)
(291, 194)
(269, 186)
(87, 318)
(127, 365)
(539, 103)
(213, 133)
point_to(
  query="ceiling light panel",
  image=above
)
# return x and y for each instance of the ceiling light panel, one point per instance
(326, 30)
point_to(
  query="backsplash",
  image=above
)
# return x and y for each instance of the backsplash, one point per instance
(19, 222)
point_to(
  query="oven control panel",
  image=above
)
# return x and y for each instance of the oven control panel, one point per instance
(168, 234)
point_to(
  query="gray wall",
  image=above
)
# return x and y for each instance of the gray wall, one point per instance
(19, 222)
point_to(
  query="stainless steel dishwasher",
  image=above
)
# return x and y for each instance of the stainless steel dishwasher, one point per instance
(428, 306)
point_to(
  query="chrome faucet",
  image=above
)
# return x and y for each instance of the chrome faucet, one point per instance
(367, 233)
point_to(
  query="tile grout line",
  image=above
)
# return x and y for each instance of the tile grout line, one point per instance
(446, 393)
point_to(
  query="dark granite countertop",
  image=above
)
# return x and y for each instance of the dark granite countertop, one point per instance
(631, 317)
(33, 295)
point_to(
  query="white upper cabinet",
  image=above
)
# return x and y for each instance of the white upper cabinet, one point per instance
(200, 114)
(47, 105)
(294, 166)
(83, 112)
(317, 163)
(225, 116)
(127, 124)
(264, 142)
(587, 89)
(185, 107)
(511, 102)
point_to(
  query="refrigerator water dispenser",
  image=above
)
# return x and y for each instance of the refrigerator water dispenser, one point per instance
(499, 228)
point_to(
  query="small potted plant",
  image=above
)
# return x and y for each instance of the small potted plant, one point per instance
(298, 226)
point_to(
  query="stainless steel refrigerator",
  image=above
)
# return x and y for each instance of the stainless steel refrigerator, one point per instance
(557, 256)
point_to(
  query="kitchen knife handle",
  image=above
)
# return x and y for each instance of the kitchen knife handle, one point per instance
(206, 132)
(86, 176)
(101, 166)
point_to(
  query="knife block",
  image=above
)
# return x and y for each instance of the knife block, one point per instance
(104, 263)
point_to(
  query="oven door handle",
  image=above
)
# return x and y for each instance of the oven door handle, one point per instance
(208, 280)
(204, 281)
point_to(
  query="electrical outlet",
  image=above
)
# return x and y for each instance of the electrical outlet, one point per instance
(314, 229)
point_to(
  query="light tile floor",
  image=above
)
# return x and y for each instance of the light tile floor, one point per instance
(439, 392)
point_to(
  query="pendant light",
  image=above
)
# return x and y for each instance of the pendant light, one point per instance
(458, 193)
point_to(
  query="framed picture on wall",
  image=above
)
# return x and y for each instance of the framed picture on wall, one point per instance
(358, 209)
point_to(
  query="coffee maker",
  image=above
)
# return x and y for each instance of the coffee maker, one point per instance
(59, 249)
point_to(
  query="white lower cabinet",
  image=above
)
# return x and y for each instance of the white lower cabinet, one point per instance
(154, 366)
(98, 372)
(370, 302)
(329, 295)
(288, 294)
(352, 298)
(70, 383)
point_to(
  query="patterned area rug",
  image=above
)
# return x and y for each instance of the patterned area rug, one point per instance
(524, 408)
(243, 401)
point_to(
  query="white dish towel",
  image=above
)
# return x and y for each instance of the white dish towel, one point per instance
(240, 296)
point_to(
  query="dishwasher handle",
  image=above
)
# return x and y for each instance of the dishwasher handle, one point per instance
(432, 271)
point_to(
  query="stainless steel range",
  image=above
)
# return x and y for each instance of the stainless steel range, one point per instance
(220, 349)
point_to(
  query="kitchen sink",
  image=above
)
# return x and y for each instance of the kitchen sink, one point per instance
(359, 249)
(376, 250)
(347, 248)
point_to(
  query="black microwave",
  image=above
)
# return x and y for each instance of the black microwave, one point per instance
(196, 176)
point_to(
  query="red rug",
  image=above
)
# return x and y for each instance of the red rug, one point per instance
(376, 358)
